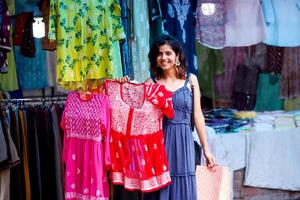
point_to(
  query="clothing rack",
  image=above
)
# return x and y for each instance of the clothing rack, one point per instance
(34, 100)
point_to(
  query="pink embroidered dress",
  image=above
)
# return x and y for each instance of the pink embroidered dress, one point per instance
(138, 155)
(86, 125)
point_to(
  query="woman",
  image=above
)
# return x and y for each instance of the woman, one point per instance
(168, 65)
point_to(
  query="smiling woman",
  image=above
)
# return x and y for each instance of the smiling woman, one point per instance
(168, 65)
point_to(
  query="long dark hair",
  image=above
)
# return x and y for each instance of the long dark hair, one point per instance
(176, 47)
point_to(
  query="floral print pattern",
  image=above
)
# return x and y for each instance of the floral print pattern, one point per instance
(85, 31)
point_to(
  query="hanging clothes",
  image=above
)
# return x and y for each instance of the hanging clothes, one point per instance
(224, 82)
(274, 59)
(179, 20)
(85, 32)
(86, 125)
(140, 40)
(268, 93)
(125, 51)
(282, 20)
(138, 154)
(290, 82)
(11, 6)
(33, 140)
(9, 81)
(25, 6)
(210, 65)
(210, 27)
(31, 70)
(51, 68)
(155, 20)
(245, 23)
(245, 86)
(45, 9)
(5, 29)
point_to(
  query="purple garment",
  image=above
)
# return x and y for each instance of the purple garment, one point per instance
(210, 29)
(244, 23)
(3, 62)
(231, 56)
(274, 59)
(290, 82)
(5, 27)
(245, 86)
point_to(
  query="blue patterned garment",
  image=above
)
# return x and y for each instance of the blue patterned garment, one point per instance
(127, 69)
(31, 71)
(179, 21)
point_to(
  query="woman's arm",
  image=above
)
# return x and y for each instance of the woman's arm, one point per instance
(200, 122)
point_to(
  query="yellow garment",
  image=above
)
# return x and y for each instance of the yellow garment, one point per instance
(292, 104)
(245, 114)
(85, 32)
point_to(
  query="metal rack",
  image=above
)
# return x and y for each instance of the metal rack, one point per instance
(43, 100)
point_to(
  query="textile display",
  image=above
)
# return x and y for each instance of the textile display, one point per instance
(210, 29)
(86, 125)
(138, 155)
(85, 32)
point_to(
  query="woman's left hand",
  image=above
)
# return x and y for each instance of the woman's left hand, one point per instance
(123, 79)
(210, 160)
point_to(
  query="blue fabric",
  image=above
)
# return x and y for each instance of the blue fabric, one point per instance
(25, 6)
(127, 68)
(282, 22)
(179, 21)
(179, 144)
(31, 71)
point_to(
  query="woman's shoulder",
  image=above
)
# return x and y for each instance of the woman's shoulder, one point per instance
(193, 78)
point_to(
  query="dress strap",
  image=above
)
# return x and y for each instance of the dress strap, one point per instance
(187, 79)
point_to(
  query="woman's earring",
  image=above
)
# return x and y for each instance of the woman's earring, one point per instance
(177, 63)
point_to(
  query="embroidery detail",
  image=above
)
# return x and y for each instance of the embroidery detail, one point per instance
(182, 10)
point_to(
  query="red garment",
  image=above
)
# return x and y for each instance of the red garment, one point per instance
(138, 156)
(19, 28)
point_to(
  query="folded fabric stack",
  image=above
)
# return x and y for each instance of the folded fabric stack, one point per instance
(297, 120)
(225, 121)
(284, 121)
(296, 114)
(263, 122)
(245, 114)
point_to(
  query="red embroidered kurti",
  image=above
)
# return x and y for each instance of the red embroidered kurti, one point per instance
(138, 155)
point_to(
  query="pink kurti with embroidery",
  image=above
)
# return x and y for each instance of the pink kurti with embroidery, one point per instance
(86, 125)
(138, 155)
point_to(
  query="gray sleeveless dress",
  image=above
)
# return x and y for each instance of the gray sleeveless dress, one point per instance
(179, 144)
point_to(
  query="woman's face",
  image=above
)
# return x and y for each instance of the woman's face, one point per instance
(166, 57)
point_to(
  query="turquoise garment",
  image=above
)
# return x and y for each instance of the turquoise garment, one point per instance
(31, 71)
(25, 6)
(267, 95)
(140, 40)
(282, 20)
